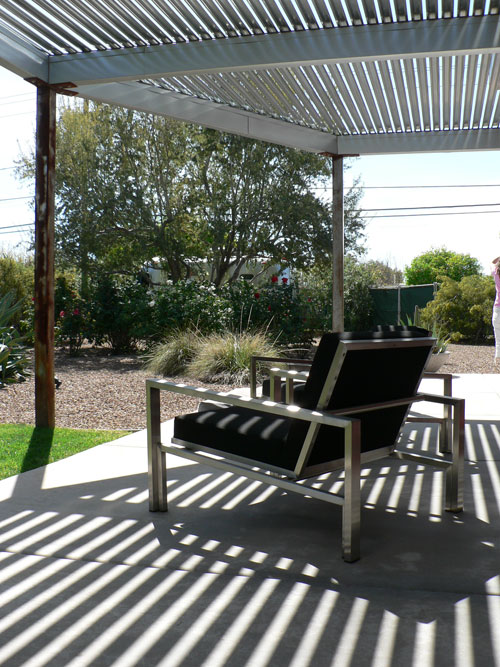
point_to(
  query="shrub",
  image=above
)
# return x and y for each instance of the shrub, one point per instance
(171, 357)
(121, 313)
(226, 357)
(71, 314)
(189, 304)
(434, 265)
(13, 357)
(463, 309)
(358, 302)
(17, 276)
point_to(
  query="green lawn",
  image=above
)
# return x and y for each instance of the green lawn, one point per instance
(25, 447)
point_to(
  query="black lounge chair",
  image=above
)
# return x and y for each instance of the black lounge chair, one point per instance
(356, 398)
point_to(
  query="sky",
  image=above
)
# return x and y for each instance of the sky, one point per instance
(466, 187)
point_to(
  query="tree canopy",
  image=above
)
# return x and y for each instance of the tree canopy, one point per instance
(436, 264)
(131, 187)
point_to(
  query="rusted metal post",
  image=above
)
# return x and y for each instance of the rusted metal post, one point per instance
(44, 256)
(338, 242)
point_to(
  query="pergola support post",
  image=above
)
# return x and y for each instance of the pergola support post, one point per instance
(44, 256)
(338, 243)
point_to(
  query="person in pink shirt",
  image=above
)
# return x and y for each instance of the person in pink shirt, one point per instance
(495, 320)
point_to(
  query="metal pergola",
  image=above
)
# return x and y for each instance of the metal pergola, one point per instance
(341, 77)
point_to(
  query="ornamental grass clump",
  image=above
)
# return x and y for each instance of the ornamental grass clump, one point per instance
(172, 357)
(225, 357)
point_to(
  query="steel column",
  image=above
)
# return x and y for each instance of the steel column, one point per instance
(44, 257)
(338, 243)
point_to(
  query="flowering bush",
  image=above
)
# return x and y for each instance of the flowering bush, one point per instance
(70, 317)
(120, 312)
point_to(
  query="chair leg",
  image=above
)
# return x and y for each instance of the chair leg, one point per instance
(157, 470)
(455, 472)
(351, 509)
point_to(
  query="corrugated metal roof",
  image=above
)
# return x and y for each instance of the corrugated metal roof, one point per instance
(341, 68)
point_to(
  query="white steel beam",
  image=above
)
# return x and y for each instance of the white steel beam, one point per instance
(217, 116)
(227, 119)
(459, 36)
(21, 58)
(445, 141)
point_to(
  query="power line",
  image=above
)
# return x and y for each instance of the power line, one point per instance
(16, 198)
(20, 224)
(421, 215)
(24, 113)
(406, 187)
(423, 208)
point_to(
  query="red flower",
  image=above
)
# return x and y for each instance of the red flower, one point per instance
(257, 295)
(284, 281)
(269, 308)
(62, 313)
(309, 299)
(76, 311)
(274, 279)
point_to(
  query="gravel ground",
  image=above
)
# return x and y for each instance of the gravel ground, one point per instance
(98, 390)
(105, 391)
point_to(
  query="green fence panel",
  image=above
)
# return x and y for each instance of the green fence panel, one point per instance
(393, 305)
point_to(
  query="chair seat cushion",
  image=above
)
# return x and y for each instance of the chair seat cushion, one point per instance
(253, 435)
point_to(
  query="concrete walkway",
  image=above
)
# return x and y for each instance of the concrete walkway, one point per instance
(237, 573)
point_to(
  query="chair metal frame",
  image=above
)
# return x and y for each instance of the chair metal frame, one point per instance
(290, 480)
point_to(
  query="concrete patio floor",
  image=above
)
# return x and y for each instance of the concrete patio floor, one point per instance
(238, 573)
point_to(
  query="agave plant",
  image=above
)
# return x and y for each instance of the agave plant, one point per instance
(13, 357)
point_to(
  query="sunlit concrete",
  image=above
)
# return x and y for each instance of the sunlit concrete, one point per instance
(238, 573)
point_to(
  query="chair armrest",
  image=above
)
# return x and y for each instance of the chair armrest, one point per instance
(282, 360)
(270, 407)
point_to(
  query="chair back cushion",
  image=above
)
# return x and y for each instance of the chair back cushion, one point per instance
(366, 376)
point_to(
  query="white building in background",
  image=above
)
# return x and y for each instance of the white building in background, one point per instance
(253, 270)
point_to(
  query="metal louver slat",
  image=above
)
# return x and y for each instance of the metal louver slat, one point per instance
(115, 23)
(345, 123)
(275, 84)
(493, 93)
(307, 111)
(401, 12)
(482, 91)
(469, 97)
(384, 72)
(327, 100)
(424, 93)
(446, 78)
(402, 96)
(56, 30)
(345, 94)
(457, 89)
(234, 84)
(364, 111)
(267, 101)
(25, 24)
(413, 96)
(157, 35)
(372, 91)
(324, 116)
(339, 13)
(31, 36)
(433, 64)
(96, 32)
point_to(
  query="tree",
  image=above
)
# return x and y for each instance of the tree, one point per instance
(436, 264)
(462, 309)
(383, 275)
(131, 187)
(259, 204)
